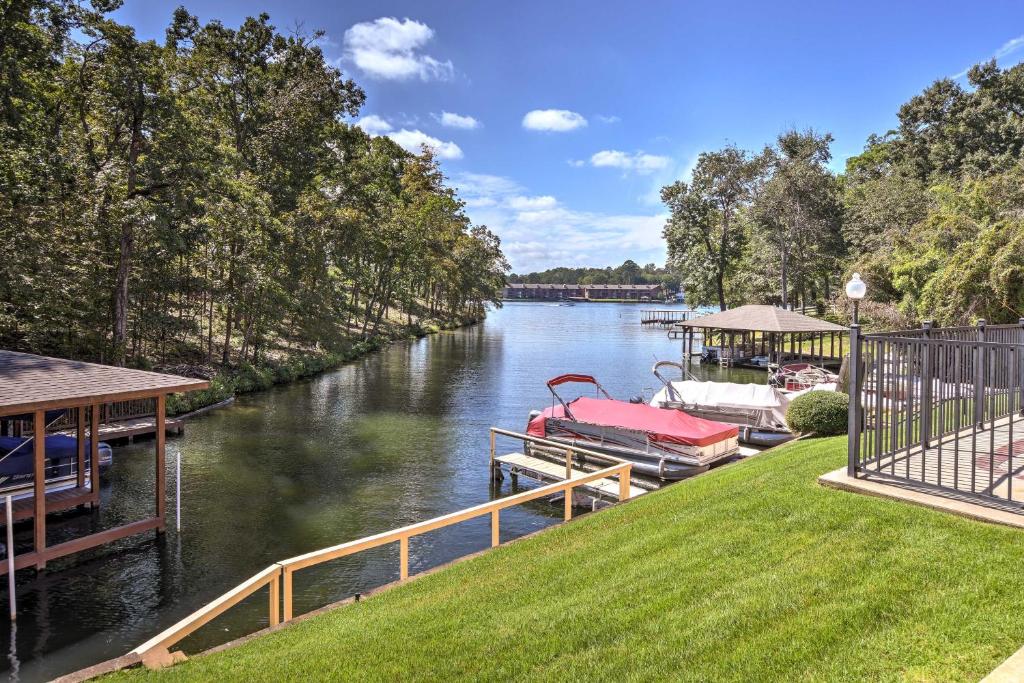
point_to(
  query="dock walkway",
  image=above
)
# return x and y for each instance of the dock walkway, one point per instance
(129, 429)
(545, 470)
(666, 317)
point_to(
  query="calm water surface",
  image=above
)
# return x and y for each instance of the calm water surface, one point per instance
(392, 439)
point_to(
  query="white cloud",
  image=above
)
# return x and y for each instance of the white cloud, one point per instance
(531, 203)
(457, 121)
(608, 119)
(1006, 49)
(374, 125)
(412, 140)
(538, 232)
(409, 140)
(611, 158)
(483, 186)
(555, 120)
(391, 49)
(640, 162)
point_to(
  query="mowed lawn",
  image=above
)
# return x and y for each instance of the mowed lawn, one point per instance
(751, 572)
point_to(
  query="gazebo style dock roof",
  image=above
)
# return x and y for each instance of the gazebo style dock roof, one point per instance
(759, 318)
(30, 385)
(748, 332)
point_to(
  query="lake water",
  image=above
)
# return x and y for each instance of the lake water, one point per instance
(394, 438)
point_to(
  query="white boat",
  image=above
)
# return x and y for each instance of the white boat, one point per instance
(758, 410)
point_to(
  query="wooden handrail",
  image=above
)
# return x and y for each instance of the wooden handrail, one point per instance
(155, 652)
(403, 534)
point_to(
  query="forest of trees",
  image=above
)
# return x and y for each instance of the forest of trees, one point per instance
(629, 273)
(931, 213)
(203, 199)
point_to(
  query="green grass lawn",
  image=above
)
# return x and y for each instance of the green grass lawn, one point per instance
(751, 572)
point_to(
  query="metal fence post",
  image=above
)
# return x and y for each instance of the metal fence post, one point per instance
(1020, 368)
(979, 377)
(926, 386)
(853, 426)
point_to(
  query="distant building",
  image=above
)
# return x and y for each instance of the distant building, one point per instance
(582, 292)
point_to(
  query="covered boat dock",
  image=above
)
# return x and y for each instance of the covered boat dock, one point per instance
(759, 336)
(31, 385)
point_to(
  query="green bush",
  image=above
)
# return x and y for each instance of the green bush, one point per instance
(821, 412)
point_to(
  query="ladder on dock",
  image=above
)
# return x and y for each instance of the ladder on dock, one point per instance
(547, 471)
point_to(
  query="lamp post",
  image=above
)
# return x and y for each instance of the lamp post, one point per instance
(855, 291)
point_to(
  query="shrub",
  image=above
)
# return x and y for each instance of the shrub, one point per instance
(821, 412)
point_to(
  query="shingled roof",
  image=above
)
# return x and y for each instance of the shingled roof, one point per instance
(29, 382)
(756, 318)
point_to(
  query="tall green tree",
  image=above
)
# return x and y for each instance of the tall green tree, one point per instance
(798, 215)
(704, 236)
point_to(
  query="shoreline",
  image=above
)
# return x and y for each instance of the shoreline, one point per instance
(247, 379)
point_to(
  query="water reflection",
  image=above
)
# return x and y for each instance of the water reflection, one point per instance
(389, 440)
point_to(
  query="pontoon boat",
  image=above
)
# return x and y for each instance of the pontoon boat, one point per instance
(665, 444)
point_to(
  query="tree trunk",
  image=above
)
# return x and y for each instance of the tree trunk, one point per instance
(126, 246)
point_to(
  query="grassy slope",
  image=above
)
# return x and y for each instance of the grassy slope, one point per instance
(753, 572)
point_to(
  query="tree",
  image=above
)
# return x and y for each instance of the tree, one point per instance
(799, 215)
(205, 200)
(704, 240)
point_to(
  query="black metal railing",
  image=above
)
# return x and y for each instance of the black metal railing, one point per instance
(941, 408)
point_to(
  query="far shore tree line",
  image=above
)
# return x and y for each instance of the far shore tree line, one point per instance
(203, 199)
(931, 214)
(629, 273)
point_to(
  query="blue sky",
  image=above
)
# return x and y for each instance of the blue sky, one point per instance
(565, 118)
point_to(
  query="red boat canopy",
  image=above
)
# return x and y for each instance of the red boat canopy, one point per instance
(672, 426)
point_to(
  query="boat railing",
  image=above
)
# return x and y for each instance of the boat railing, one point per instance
(279, 577)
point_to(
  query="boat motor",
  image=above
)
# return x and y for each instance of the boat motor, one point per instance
(637, 398)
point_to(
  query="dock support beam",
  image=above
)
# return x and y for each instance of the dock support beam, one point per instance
(94, 454)
(39, 483)
(161, 472)
(80, 446)
(12, 601)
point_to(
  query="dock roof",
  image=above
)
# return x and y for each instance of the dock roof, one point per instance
(29, 382)
(758, 318)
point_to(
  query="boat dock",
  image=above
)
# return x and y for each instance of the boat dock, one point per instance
(131, 428)
(546, 471)
(666, 317)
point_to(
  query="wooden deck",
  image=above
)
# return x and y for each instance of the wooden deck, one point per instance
(56, 501)
(547, 471)
(987, 462)
(129, 429)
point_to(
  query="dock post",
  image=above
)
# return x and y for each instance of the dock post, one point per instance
(39, 485)
(161, 472)
(494, 474)
(177, 491)
(10, 557)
